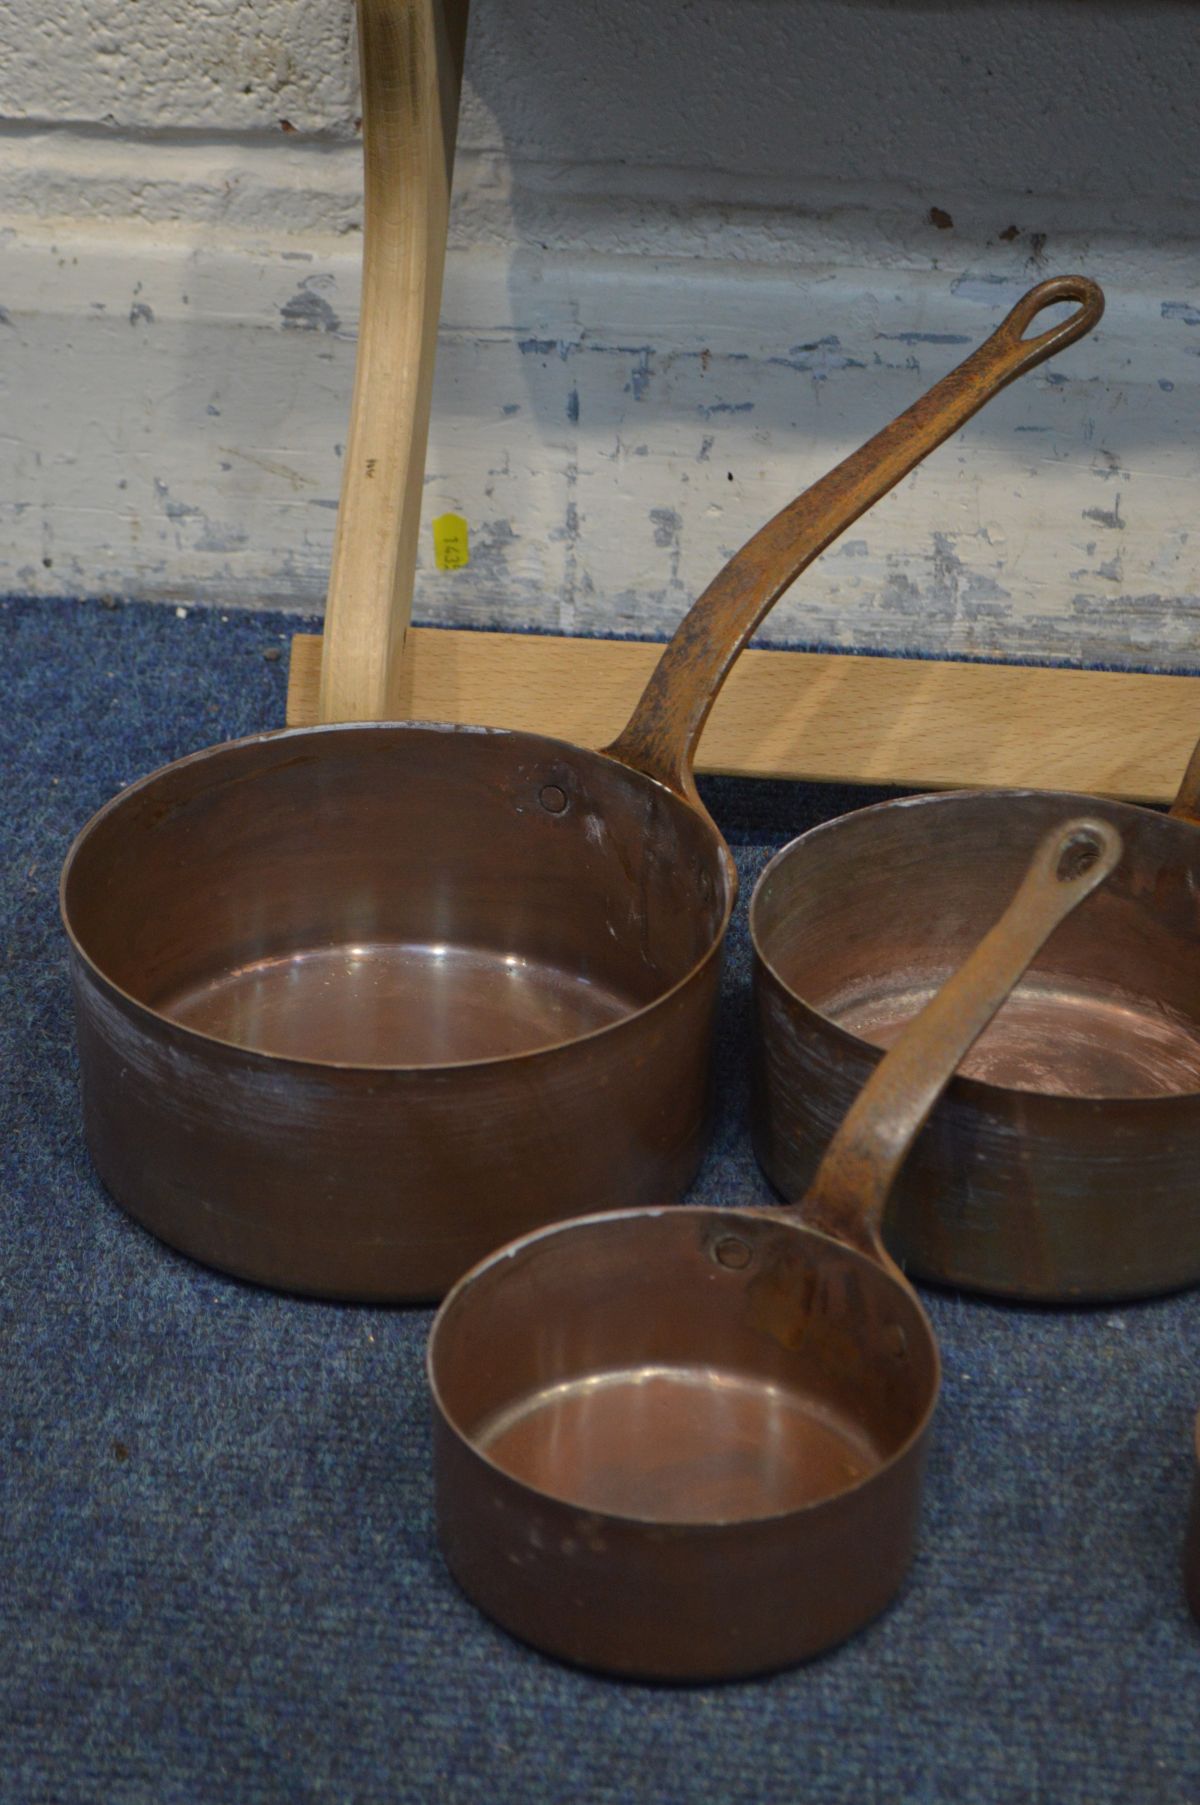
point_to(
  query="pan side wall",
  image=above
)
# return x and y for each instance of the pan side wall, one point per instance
(380, 1184)
(656, 1601)
(1007, 1192)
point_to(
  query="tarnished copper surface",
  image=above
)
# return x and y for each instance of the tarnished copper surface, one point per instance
(356, 1003)
(653, 1463)
(1073, 1039)
(1064, 1160)
(688, 1443)
(740, 1446)
(382, 1003)
(329, 1139)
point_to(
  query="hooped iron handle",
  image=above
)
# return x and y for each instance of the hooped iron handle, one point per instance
(661, 735)
(849, 1194)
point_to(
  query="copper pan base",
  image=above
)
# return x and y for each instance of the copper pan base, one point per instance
(396, 1003)
(1058, 1036)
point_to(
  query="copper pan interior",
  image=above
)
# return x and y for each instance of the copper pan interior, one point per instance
(865, 918)
(687, 1366)
(396, 896)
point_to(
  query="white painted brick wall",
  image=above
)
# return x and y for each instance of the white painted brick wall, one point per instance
(195, 65)
(693, 261)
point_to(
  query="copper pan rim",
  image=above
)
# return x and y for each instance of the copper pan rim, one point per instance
(716, 1213)
(284, 1062)
(979, 1089)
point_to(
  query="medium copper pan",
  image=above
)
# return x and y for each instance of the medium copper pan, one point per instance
(1063, 1162)
(355, 1003)
(688, 1443)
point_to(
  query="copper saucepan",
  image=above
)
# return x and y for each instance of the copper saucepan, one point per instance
(687, 1443)
(1063, 1162)
(355, 1003)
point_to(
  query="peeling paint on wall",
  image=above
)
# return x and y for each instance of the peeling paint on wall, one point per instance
(309, 311)
(616, 436)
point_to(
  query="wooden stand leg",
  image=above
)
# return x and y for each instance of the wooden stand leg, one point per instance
(824, 717)
(412, 56)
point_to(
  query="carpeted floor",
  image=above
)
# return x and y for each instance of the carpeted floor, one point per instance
(219, 1579)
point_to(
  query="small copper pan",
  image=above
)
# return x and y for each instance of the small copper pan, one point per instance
(687, 1443)
(356, 1003)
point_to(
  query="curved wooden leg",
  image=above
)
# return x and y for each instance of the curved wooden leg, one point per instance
(411, 54)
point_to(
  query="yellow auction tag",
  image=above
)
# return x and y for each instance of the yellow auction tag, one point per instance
(451, 547)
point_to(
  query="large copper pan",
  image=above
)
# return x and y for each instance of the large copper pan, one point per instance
(356, 1003)
(1063, 1162)
(688, 1443)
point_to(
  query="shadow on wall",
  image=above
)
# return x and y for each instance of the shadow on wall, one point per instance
(1038, 98)
(1003, 138)
(780, 222)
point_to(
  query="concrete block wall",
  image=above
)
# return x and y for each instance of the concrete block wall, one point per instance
(699, 249)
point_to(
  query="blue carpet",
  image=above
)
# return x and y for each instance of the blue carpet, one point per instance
(219, 1578)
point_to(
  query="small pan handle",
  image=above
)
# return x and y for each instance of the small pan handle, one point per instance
(849, 1194)
(660, 738)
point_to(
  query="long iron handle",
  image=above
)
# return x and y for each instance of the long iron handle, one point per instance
(661, 735)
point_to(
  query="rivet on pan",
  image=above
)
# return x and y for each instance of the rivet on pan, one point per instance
(553, 799)
(897, 1341)
(706, 885)
(1079, 855)
(731, 1252)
